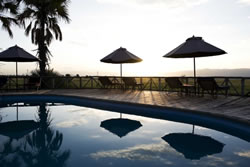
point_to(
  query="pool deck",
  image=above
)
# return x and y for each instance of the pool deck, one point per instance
(231, 107)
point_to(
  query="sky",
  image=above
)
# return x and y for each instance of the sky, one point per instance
(147, 28)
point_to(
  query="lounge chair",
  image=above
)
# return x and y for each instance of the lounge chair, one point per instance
(3, 81)
(130, 81)
(33, 82)
(175, 84)
(209, 85)
(107, 83)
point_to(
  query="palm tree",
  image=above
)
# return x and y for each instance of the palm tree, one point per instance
(42, 147)
(8, 8)
(43, 17)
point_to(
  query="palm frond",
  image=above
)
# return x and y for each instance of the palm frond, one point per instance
(48, 36)
(36, 24)
(6, 23)
(26, 14)
(59, 31)
(37, 36)
(11, 6)
(27, 30)
(33, 35)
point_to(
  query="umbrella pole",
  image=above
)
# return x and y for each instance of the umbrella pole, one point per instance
(16, 76)
(194, 76)
(121, 73)
(121, 70)
(194, 69)
(17, 112)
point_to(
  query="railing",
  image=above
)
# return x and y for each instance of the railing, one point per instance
(239, 86)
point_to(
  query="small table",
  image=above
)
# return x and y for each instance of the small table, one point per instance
(188, 87)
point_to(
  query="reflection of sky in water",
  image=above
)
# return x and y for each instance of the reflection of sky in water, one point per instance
(91, 145)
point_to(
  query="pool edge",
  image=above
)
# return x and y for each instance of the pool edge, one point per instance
(186, 111)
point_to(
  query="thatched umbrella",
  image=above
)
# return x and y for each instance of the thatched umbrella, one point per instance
(194, 47)
(121, 56)
(17, 54)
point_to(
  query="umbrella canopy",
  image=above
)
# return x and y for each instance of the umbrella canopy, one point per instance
(18, 129)
(120, 127)
(194, 47)
(193, 146)
(121, 56)
(17, 54)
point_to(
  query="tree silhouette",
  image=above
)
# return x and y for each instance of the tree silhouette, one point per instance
(8, 8)
(42, 147)
(43, 17)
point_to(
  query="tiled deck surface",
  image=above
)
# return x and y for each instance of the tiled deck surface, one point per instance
(233, 107)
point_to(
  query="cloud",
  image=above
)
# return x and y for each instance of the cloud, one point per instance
(95, 136)
(154, 3)
(71, 123)
(246, 2)
(145, 152)
(244, 154)
(161, 153)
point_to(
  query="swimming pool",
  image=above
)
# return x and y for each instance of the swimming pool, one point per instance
(64, 132)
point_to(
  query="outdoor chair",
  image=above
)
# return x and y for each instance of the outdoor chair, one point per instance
(33, 82)
(131, 82)
(107, 83)
(3, 81)
(209, 85)
(175, 84)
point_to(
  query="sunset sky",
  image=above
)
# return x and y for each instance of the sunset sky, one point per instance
(148, 29)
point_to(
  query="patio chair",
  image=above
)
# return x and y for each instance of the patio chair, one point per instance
(107, 83)
(175, 84)
(130, 81)
(33, 82)
(3, 81)
(209, 85)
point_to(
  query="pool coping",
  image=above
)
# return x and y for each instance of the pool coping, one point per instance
(196, 112)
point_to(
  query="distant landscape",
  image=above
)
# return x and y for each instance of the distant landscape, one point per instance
(243, 72)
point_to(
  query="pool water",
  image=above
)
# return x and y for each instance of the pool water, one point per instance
(73, 136)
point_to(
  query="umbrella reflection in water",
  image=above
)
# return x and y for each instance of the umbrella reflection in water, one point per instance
(40, 148)
(19, 128)
(120, 126)
(193, 146)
